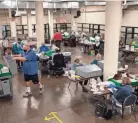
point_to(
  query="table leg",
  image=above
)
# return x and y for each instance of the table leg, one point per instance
(69, 83)
(77, 83)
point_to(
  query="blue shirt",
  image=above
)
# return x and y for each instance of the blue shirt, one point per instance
(30, 66)
(123, 93)
(74, 66)
(44, 48)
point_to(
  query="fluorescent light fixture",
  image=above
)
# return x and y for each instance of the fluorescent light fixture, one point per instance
(9, 3)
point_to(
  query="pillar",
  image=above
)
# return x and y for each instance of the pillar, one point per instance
(112, 35)
(12, 25)
(73, 21)
(29, 23)
(39, 22)
(51, 23)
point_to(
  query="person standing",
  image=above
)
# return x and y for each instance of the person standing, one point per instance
(30, 69)
(17, 49)
(57, 38)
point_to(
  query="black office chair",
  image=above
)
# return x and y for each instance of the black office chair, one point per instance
(58, 65)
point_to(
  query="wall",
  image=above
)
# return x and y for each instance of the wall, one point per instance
(92, 14)
(58, 18)
(130, 18)
(96, 15)
(4, 20)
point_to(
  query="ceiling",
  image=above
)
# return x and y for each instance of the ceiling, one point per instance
(67, 4)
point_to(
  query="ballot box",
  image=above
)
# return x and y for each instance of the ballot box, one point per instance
(11, 63)
(89, 71)
(101, 64)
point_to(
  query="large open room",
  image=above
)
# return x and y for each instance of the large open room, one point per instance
(68, 61)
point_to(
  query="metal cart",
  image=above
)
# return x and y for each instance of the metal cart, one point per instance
(6, 88)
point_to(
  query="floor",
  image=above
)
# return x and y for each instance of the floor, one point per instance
(71, 105)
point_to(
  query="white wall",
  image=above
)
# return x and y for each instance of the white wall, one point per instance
(4, 20)
(96, 15)
(58, 18)
(33, 19)
(92, 14)
(130, 18)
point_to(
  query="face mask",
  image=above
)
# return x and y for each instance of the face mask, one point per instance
(24, 50)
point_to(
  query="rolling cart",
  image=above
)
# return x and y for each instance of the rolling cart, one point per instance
(6, 87)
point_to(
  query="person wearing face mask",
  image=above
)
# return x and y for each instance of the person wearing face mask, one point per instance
(30, 69)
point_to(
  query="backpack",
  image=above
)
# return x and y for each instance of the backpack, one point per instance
(108, 114)
(100, 109)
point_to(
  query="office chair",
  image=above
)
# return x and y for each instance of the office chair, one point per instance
(128, 102)
(58, 64)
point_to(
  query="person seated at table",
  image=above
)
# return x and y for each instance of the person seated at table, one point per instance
(117, 76)
(124, 91)
(56, 58)
(76, 64)
(97, 58)
(121, 44)
(43, 48)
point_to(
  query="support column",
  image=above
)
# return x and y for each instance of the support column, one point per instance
(39, 22)
(12, 25)
(73, 23)
(51, 23)
(112, 36)
(29, 23)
